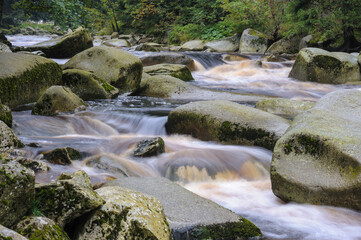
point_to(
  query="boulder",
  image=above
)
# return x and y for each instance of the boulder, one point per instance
(305, 42)
(118, 68)
(175, 70)
(114, 35)
(23, 77)
(151, 47)
(68, 198)
(17, 191)
(149, 148)
(317, 65)
(194, 45)
(230, 44)
(4, 40)
(41, 228)
(7, 138)
(116, 43)
(57, 99)
(283, 106)
(4, 48)
(190, 216)
(62, 156)
(5, 115)
(65, 46)
(88, 86)
(288, 45)
(110, 164)
(126, 214)
(227, 122)
(318, 159)
(36, 166)
(8, 234)
(166, 57)
(253, 41)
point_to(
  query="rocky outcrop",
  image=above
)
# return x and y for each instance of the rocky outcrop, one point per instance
(317, 65)
(149, 148)
(284, 107)
(253, 41)
(24, 77)
(175, 70)
(288, 45)
(318, 160)
(227, 122)
(57, 99)
(8, 234)
(17, 191)
(7, 138)
(230, 44)
(62, 156)
(5, 115)
(117, 43)
(126, 215)
(190, 216)
(166, 57)
(118, 68)
(194, 45)
(88, 86)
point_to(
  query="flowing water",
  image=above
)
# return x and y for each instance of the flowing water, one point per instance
(236, 177)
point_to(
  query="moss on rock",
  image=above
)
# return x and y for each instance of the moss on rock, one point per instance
(7, 138)
(253, 41)
(6, 115)
(175, 70)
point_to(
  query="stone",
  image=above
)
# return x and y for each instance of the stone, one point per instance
(194, 45)
(114, 35)
(230, 44)
(166, 57)
(40, 228)
(3, 39)
(190, 216)
(116, 43)
(253, 41)
(68, 198)
(109, 164)
(150, 47)
(88, 86)
(4, 48)
(8, 139)
(227, 122)
(317, 65)
(62, 156)
(116, 67)
(288, 45)
(149, 148)
(284, 107)
(23, 77)
(5, 115)
(175, 70)
(36, 166)
(17, 191)
(318, 159)
(8, 234)
(305, 42)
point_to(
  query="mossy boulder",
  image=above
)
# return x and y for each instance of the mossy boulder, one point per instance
(8, 139)
(17, 185)
(8, 234)
(36, 228)
(116, 43)
(65, 46)
(149, 147)
(88, 86)
(227, 122)
(189, 215)
(24, 77)
(35, 165)
(230, 44)
(193, 45)
(288, 45)
(57, 99)
(166, 57)
(126, 214)
(116, 67)
(253, 41)
(175, 70)
(318, 159)
(68, 198)
(5, 115)
(4, 48)
(62, 156)
(318, 65)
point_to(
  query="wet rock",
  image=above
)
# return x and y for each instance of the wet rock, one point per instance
(23, 77)
(57, 99)
(227, 122)
(36, 166)
(166, 57)
(230, 44)
(317, 65)
(8, 139)
(318, 159)
(5, 115)
(41, 228)
(17, 191)
(124, 72)
(235, 58)
(126, 214)
(175, 70)
(194, 45)
(4, 48)
(116, 43)
(8, 234)
(305, 42)
(253, 41)
(149, 148)
(190, 216)
(4, 40)
(70, 197)
(114, 35)
(285, 45)
(62, 156)
(88, 86)
(150, 47)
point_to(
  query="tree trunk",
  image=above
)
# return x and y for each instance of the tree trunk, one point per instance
(1, 11)
(350, 43)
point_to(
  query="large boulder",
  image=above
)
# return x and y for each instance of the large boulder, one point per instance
(65, 46)
(5, 115)
(288, 45)
(166, 57)
(230, 44)
(193, 45)
(116, 43)
(118, 68)
(174, 70)
(88, 86)
(126, 215)
(24, 77)
(318, 65)
(227, 122)
(57, 99)
(318, 160)
(7, 138)
(305, 42)
(8, 234)
(4, 48)
(17, 185)
(68, 198)
(190, 216)
(253, 41)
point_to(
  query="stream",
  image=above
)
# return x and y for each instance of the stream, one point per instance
(236, 177)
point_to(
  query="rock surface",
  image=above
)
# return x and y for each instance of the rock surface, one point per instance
(174, 70)
(149, 147)
(227, 122)
(4, 48)
(24, 77)
(36, 166)
(118, 68)
(230, 44)
(8, 234)
(288, 45)
(5, 115)
(318, 159)
(317, 65)
(62, 156)
(166, 57)
(194, 45)
(283, 106)
(190, 216)
(7, 138)
(253, 41)
(116, 43)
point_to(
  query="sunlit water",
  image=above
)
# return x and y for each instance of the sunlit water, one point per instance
(236, 177)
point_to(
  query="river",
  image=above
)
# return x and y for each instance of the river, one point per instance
(236, 177)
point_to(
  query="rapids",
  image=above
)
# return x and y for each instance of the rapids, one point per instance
(236, 177)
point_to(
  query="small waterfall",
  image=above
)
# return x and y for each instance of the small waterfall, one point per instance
(207, 60)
